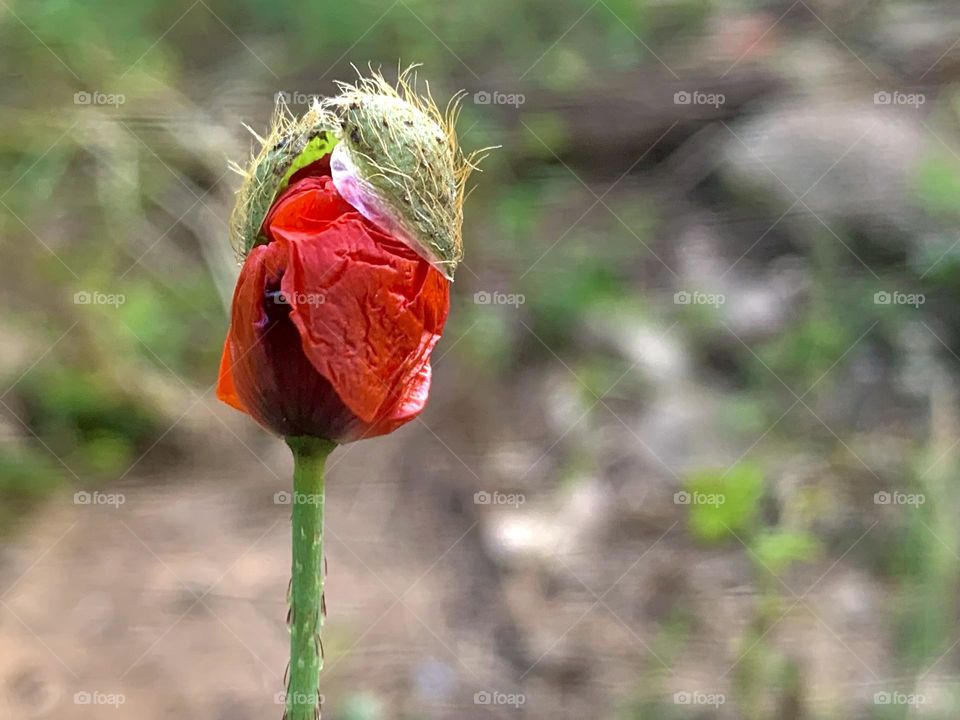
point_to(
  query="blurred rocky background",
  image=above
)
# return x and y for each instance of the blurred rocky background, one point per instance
(691, 450)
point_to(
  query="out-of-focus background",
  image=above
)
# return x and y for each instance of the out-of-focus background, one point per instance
(692, 445)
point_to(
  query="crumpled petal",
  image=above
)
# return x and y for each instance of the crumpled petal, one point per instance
(333, 322)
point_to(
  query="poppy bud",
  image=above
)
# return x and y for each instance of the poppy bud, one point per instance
(349, 224)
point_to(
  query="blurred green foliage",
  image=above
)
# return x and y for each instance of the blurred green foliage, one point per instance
(938, 184)
(724, 503)
(27, 477)
(777, 550)
(93, 425)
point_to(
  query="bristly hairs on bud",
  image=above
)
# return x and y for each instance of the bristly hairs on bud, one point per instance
(268, 169)
(409, 171)
(406, 152)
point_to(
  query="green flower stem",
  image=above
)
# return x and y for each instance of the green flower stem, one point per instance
(306, 593)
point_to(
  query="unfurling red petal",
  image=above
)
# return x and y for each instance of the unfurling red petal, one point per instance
(333, 322)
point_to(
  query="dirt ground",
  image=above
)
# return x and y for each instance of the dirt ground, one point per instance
(169, 602)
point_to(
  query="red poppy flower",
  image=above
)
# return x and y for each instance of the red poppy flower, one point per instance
(333, 321)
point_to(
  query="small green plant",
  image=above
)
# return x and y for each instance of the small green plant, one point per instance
(726, 507)
(724, 503)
